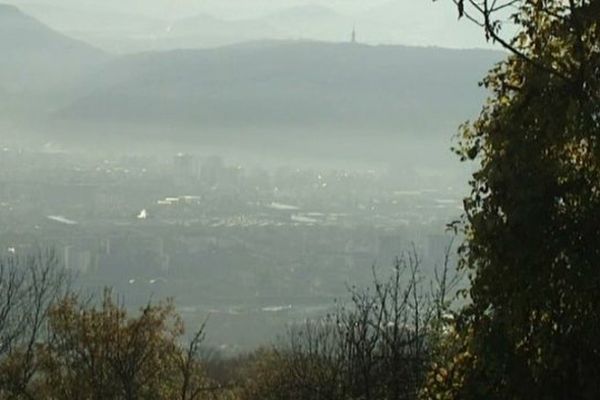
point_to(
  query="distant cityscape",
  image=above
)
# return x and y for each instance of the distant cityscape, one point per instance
(223, 239)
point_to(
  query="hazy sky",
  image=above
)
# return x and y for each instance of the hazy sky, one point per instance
(419, 22)
(239, 8)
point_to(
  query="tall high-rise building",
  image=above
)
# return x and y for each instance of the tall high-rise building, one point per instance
(185, 165)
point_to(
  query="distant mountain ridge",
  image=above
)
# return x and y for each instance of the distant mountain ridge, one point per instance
(120, 27)
(281, 91)
(346, 89)
(38, 62)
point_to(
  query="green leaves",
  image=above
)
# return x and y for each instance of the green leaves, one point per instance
(532, 237)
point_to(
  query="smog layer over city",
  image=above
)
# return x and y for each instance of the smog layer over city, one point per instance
(299, 199)
(253, 160)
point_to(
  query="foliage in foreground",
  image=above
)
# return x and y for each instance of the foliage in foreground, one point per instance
(60, 345)
(379, 346)
(532, 220)
(57, 345)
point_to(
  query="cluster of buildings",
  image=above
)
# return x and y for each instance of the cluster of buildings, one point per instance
(209, 231)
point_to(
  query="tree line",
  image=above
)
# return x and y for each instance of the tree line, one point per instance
(57, 343)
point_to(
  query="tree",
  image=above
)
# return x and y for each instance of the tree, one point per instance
(532, 219)
(55, 344)
(29, 286)
(377, 346)
(100, 352)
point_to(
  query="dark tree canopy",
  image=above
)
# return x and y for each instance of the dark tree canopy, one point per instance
(532, 220)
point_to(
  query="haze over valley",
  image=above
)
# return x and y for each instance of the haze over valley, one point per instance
(251, 167)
